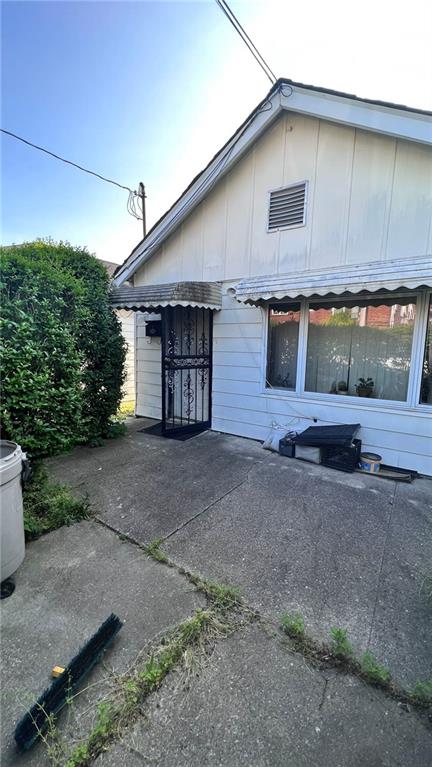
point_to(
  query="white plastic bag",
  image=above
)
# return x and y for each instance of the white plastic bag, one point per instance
(272, 440)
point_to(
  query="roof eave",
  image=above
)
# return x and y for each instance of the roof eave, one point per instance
(205, 181)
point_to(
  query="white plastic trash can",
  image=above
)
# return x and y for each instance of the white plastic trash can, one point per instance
(11, 508)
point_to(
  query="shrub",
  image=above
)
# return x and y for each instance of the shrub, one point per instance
(63, 351)
(42, 396)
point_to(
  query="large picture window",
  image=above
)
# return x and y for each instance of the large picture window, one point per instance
(282, 346)
(361, 348)
(358, 347)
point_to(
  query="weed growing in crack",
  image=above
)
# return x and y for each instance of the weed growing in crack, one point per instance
(293, 624)
(422, 693)
(223, 597)
(153, 549)
(341, 647)
(79, 756)
(373, 671)
(179, 649)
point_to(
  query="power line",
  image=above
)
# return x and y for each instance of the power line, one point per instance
(69, 162)
(265, 106)
(232, 18)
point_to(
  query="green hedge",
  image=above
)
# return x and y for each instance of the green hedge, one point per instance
(62, 362)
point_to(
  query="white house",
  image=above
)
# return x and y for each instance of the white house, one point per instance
(127, 322)
(296, 263)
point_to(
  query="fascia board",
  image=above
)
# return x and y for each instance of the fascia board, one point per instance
(358, 114)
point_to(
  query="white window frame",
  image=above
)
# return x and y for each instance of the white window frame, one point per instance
(412, 401)
(280, 189)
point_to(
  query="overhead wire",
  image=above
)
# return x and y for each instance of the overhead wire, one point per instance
(134, 203)
(266, 106)
(69, 162)
(232, 18)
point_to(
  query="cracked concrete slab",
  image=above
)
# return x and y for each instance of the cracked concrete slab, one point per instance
(257, 704)
(147, 486)
(402, 626)
(344, 549)
(69, 583)
(297, 537)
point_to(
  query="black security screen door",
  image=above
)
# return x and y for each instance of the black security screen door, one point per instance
(186, 369)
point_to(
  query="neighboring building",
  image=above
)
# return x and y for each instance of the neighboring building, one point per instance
(127, 320)
(297, 262)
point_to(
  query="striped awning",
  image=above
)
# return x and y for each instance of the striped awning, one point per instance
(338, 280)
(204, 295)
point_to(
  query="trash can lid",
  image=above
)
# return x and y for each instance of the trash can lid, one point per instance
(7, 449)
(11, 457)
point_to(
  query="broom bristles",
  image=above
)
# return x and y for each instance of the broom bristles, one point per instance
(35, 721)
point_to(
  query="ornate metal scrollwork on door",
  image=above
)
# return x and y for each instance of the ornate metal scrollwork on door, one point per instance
(186, 368)
(188, 394)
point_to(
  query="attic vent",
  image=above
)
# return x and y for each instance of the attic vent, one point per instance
(287, 207)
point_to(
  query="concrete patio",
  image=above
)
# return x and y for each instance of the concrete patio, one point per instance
(345, 550)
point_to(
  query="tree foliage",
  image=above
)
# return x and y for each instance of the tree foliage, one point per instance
(62, 348)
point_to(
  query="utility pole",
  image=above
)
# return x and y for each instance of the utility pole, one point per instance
(142, 196)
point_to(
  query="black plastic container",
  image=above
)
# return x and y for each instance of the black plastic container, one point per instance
(342, 458)
(321, 436)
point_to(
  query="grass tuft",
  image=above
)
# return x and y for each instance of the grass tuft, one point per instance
(341, 647)
(293, 624)
(154, 550)
(422, 693)
(49, 505)
(223, 597)
(373, 671)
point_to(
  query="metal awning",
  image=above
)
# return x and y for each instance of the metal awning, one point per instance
(204, 295)
(338, 280)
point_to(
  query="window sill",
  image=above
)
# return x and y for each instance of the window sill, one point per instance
(361, 403)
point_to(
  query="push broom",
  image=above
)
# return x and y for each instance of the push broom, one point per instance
(35, 722)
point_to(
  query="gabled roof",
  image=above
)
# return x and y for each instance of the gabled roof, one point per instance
(286, 95)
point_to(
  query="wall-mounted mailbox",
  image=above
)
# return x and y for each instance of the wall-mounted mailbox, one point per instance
(153, 329)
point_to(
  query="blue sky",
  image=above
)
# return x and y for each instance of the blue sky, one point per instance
(150, 90)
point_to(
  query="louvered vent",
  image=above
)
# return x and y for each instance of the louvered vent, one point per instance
(287, 207)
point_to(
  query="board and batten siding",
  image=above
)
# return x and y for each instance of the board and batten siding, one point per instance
(369, 198)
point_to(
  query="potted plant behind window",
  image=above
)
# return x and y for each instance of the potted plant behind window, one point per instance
(364, 387)
(342, 387)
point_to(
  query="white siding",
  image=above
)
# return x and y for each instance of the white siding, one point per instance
(242, 406)
(369, 198)
(148, 371)
(127, 320)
